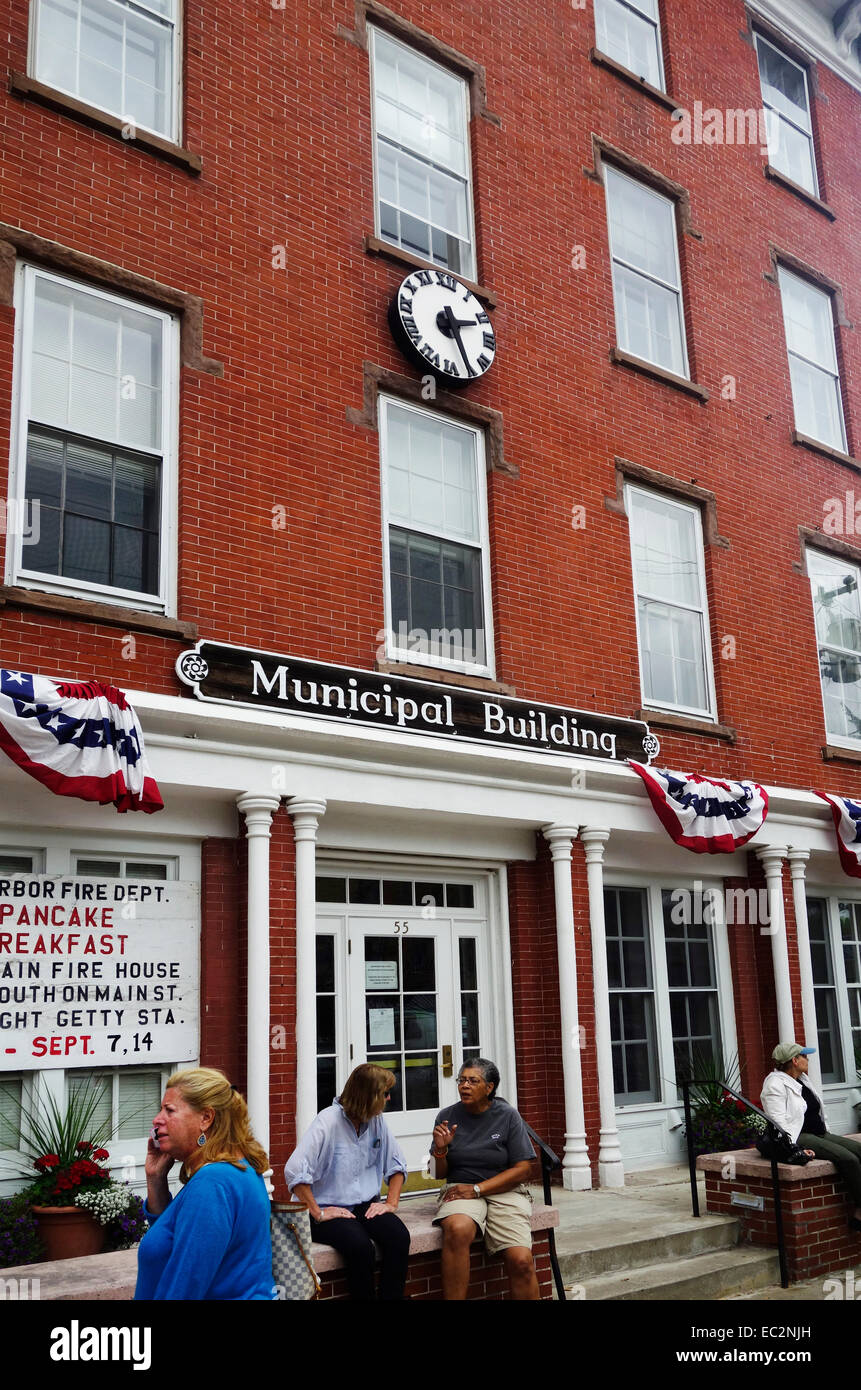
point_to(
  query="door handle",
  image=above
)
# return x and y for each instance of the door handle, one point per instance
(447, 1063)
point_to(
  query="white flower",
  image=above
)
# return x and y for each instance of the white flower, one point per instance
(106, 1204)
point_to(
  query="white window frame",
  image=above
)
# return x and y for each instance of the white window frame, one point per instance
(833, 898)
(173, 132)
(762, 42)
(634, 6)
(425, 658)
(831, 369)
(670, 1093)
(16, 570)
(676, 289)
(633, 490)
(467, 272)
(846, 566)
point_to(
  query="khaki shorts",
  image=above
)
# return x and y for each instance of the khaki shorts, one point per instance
(503, 1218)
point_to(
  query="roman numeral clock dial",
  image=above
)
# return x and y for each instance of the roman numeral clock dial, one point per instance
(441, 326)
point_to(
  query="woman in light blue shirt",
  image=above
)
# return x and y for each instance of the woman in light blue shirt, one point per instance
(337, 1169)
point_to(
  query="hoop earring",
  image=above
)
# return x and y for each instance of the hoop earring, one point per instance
(201, 1139)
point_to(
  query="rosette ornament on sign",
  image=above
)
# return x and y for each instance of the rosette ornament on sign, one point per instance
(441, 326)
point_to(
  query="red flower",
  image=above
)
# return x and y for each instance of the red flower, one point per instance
(46, 1161)
(101, 1154)
(83, 1146)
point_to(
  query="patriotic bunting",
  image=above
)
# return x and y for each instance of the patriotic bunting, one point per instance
(708, 817)
(78, 739)
(847, 822)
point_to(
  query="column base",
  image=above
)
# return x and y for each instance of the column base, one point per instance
(577, 1179)
(611, 1174)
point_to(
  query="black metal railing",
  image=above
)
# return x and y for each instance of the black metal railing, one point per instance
(549, 1163)
(775, 1178)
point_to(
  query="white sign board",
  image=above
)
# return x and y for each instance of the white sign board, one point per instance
(97, 972)
(381, 1027)
(381, 974)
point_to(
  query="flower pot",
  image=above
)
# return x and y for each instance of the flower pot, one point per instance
(69, 1231)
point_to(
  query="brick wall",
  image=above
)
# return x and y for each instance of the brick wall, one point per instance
(487, 1278)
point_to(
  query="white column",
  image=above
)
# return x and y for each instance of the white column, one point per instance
(771, 859)
(610, 1167)
(576, 1172)
(258, 812)
(306, 818)
(797, 860)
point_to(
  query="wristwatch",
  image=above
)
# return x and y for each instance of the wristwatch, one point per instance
(476, 1189)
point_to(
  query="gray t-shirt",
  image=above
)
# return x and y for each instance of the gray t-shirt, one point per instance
(485, 1144)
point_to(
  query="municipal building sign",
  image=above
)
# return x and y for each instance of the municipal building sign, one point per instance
(234, 675)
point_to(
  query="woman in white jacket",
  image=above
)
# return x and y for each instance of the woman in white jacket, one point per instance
(791, 1102)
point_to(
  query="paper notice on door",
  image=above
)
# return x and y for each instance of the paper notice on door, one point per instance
(381, 974)
(381, 1027)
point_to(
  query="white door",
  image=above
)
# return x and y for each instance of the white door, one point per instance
(404, 985)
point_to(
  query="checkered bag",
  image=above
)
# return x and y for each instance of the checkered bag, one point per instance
(292, 1269)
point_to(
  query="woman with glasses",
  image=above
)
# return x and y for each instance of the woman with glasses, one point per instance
(482, 1148)
(337, 1169)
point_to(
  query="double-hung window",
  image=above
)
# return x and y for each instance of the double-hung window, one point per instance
(808, 319)
(435, 529)
(421, 128)
(94, 466)
(119, 55)
(786, 100)
(837, 612)
(647, 281)
(835, 952)
(629, 31)
(672, 613)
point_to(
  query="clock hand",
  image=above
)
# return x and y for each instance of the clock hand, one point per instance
(454, 330)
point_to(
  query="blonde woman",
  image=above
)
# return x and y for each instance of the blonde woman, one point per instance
(212, 1240)
(337, 1169)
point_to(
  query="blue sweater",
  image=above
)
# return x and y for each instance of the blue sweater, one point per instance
(212, 1241)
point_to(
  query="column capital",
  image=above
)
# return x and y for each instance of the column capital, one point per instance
(306, 813)
(560, 838)
(594, 839)
(258, 808)
(771, 856)
(797, 860)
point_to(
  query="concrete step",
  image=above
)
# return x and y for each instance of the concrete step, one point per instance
(705, 1277)
(621, 1246)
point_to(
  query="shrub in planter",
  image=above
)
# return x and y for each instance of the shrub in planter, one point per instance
(20, 1243)
(723, 1125)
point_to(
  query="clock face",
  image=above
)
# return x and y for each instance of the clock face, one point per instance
(441, 326)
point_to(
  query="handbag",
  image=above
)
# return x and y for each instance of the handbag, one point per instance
(776, 1144)
(292, 1267)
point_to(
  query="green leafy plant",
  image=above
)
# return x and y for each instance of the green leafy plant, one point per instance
(65, 1144)
(719, 1122)
(20, 1243)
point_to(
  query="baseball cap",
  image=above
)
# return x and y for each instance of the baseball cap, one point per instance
(784, 1052)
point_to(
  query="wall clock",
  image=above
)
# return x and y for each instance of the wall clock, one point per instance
(441, 326)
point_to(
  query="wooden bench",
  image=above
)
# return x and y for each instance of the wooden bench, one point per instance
(816, 1208)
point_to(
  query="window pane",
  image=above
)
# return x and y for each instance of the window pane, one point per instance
(10, 1111)
(629, 37)
(139, 1101)
(325, 950)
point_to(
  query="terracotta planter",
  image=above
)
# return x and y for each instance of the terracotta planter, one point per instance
(69, 1231)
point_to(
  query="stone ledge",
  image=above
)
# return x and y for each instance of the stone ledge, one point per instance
(748, 1163)
(418, 1216)
(94, 1278)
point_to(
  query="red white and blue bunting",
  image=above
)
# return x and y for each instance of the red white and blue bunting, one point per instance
(847, 823)
(703, 815)
(78, 739)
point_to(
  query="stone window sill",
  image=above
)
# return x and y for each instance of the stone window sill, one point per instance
(375, 247)
(605, 61)
(103, 614)
(666, 719)
(626, 359)
(441, 677)
(777, 177)
(836, 454)
(28, 87)
(831, 754)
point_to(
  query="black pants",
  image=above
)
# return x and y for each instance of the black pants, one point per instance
(354, 1240)
(844, 1153)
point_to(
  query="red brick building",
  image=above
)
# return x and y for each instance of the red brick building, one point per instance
(353, 564)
